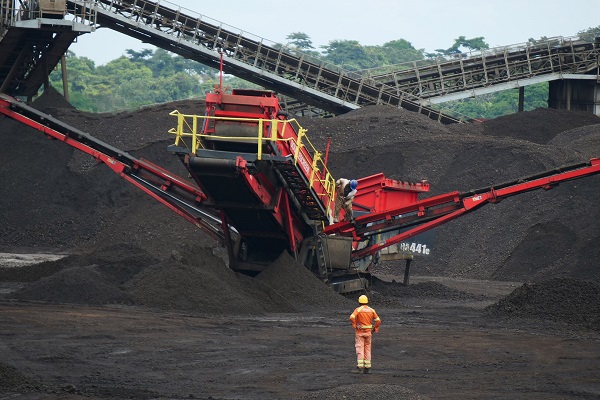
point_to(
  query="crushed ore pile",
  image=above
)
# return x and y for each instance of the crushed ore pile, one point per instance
(124, 248)
(563, 300)
(191, 279)
(394, 294)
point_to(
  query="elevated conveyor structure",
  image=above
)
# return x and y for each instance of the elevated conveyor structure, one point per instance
(33, 41)
(485, 71)
(308, 85)
(197, 37)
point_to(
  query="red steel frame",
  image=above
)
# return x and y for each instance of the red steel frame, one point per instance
(238, 106)
(377, 192)
(430, 213)
(266, 107)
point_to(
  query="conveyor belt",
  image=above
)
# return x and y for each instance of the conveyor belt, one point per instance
(196, 37)
(467, 72)
(429, 213)
(309, 80)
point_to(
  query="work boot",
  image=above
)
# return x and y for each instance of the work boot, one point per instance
(367, 371)
(358, 370)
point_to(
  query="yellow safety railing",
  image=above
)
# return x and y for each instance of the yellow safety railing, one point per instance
(190, 131)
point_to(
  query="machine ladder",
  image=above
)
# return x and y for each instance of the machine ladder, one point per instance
(308, 199)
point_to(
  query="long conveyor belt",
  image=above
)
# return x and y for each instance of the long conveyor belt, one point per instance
(196, 37)
(312, 82)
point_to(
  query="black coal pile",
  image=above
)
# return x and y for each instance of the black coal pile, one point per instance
(300, 287)
(395, 293)
(563, 300)
(13, 381)
(92, 278)
(53, 198)
(196, 279)
(190, 279)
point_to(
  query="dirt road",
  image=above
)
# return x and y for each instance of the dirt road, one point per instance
(426, 349)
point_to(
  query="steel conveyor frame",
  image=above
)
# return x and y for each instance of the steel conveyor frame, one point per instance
(429, 213)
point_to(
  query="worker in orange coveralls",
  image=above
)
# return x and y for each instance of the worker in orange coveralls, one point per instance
(365, 321)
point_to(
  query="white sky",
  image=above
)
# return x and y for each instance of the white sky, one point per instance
(429, 25)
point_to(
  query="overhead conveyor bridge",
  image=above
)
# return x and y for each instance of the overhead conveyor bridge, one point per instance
(249, 57)
(32, 43)
(252, 58)
(469, 74)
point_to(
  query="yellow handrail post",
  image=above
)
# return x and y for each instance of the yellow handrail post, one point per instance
(260, 134)
(274, 127)
(332, 188)
(316, 159)
(179, 127)
(285, 124)
(301, 133)
(194, 135)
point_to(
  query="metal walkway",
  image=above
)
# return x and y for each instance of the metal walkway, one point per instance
(466, 75)
(197, 37)
(307, 81)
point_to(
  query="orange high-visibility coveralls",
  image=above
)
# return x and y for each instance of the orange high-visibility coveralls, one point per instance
(365, 320)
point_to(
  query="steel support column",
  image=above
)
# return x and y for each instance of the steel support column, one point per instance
(575, 94)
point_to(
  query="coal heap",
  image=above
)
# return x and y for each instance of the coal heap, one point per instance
(553, 300)
(126, 249)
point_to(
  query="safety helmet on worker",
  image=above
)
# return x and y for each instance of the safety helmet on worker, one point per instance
(353, 184)
(363, 299)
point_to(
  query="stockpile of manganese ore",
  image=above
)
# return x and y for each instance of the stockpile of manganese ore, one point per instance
(124, 248)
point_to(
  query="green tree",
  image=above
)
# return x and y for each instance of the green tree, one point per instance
(351, 55)
(81, 75)
(477, 43)
(590, 33)
(401, 51)
(299, 40)
(134, 56)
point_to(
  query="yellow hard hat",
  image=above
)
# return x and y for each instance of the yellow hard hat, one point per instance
(363, 299)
